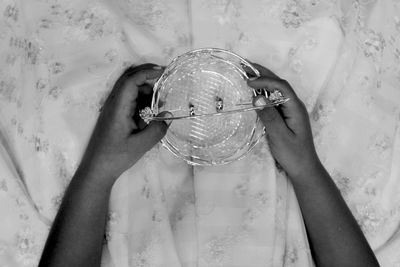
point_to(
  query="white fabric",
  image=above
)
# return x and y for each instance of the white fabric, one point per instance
(59, 59)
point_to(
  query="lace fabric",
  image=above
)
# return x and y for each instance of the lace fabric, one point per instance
(59, 60)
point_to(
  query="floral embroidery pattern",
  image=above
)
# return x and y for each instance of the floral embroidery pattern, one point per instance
(294, 15)
(374, 44)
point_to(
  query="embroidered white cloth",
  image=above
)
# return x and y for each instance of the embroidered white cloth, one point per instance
(59, 59)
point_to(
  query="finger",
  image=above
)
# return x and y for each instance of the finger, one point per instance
(143, 141)
(292, 106)
(151, 135)
(141, 77)
(250, 70)
(134, 69)
(264, 71)
(146, 89)
(129, 72)
(129, 91)
(293, 110)
(272, 84)
(275, 125)
(125, 77)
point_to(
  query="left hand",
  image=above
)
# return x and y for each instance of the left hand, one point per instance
(120, 138)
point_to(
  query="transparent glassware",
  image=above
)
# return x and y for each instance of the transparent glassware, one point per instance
(208, 81)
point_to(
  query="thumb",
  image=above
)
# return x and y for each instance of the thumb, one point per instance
(151, 135)
(270, 117)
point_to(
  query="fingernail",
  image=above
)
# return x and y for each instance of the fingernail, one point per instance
(253, 78)
(157, 67)
(261, 101)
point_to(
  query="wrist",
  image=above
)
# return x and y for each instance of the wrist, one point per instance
(312, 170)
(96, 174)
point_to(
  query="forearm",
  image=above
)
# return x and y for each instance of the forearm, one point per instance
(118, 140)
(76, 237)
(334, 234)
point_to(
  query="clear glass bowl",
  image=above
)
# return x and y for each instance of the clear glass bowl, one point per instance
(208, 81)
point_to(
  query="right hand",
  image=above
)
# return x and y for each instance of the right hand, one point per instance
(287, 126)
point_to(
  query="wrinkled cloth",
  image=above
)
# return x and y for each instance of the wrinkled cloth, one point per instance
(59, 60)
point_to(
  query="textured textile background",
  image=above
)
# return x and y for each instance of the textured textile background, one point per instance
(59, 59)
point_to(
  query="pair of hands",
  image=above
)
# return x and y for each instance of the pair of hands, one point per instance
(120, 139)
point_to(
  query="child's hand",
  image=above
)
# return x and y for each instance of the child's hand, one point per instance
(118, 141)
(287, 126)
